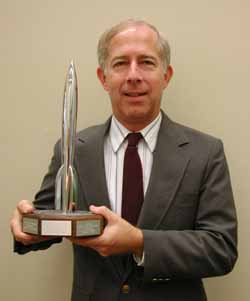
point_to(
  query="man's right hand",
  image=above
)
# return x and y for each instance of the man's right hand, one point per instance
(16, 224)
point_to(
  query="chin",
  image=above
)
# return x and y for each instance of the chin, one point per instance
(136, 113)
(139, 117)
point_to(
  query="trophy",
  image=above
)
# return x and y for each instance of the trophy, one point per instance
(65, 220)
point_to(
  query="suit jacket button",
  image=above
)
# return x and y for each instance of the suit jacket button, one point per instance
(125, 289)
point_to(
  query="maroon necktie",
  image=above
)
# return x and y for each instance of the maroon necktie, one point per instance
(132, 190)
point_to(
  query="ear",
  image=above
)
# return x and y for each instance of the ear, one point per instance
(102, 77)
(168, 75)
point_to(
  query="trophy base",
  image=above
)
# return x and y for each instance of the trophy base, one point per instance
(57, 223)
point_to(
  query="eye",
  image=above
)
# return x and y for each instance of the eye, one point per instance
(148, 62)
(119, 63)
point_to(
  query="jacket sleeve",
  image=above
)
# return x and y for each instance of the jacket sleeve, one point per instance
(44, 199)
(210, 248)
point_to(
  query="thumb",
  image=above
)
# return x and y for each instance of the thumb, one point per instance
(104, 211)
(25, 206)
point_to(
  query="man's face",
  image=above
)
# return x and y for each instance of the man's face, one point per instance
(134, 76)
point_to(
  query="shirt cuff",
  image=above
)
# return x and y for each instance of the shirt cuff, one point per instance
(139, 260)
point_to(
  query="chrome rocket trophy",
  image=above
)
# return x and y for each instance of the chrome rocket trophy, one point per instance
(65, 220)
(66, 179)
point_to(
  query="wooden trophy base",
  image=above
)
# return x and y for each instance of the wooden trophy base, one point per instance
(57, 223)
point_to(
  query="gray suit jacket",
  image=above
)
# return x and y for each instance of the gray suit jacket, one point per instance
(188, 219)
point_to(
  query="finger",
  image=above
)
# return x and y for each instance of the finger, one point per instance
(19, 234)
(96, 244)
(87, 242)
(93, 243)
(27, 239)
(25, 206)
(16, 228)
(15, 223)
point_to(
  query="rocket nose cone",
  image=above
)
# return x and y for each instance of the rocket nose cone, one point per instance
(71, 71)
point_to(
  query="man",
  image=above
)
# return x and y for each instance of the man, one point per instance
(185, 229)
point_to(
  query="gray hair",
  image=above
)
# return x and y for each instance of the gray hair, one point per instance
(106, 37)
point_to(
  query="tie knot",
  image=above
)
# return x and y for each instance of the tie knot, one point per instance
(133, 139)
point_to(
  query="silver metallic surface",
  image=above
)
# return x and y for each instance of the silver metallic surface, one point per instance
(66, 179)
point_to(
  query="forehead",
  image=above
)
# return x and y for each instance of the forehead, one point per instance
(134, 39)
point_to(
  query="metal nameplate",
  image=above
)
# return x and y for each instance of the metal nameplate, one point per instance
(30, 225)
(55, 227)
(88, 227)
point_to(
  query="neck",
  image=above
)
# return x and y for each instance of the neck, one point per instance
(136, 125)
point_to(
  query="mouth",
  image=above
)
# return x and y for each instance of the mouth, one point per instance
(135, 94)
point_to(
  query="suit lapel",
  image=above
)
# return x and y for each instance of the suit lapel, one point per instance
(90, 166)
(169, 164)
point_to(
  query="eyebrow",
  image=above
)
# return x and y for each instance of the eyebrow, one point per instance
(145, 56)
(117, 58)
(124, 57)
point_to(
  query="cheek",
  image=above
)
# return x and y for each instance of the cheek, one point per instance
(156, 88)
(113, 87)
(159, 86)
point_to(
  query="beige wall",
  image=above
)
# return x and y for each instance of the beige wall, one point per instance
(210, 91)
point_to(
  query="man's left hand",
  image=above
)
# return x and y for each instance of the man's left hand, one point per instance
(118, 236)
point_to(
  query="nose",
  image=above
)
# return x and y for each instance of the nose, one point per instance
(134, 75)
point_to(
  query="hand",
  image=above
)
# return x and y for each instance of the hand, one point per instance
(16, 224)
(118, 236)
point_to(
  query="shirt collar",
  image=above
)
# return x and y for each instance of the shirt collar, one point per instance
(118, 133)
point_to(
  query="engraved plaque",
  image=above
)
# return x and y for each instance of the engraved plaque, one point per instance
(90, 227)
(30, 225)
(55, 228)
